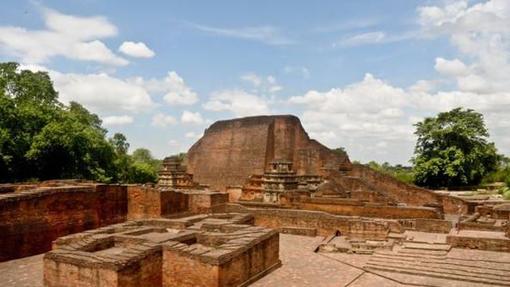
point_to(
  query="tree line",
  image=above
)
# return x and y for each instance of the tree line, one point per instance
(41, 138)
(453, 150)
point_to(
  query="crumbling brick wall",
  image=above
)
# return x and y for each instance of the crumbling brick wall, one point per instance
(31, 220)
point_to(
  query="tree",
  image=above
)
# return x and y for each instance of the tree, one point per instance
(340, 151)
(453, 150)
(119, 141)
(41, 138)
(143, 155)
(28, 102)
(73, 147)
(140, 172)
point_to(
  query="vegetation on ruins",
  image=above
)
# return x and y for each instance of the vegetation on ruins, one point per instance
(400, 172)
(453, 150)
(41, 138)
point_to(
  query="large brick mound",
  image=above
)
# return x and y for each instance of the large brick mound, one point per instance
(232, 150)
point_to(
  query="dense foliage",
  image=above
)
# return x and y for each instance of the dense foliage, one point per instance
(453, 150)
(400, 172)
(40, 138)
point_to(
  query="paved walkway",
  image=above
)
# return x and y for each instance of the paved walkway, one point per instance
(301, 267)
(24, 272)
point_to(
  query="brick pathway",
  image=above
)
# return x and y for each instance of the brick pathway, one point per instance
(24, 272)
(302, 267)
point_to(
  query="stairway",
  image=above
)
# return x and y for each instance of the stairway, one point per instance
(430, 260)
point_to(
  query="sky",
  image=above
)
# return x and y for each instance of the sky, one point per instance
(358, 74)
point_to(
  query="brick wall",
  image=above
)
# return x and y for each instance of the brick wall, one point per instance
(356, 208)
(325, 223)
(31, 220)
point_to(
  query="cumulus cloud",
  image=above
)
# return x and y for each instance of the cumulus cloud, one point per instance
(162, 120)
(73, 37)
(175, 90)
(117, 120)
(101, 93)
(372, 116)
(188, 117)
(136, 49)
(451, 67)
(481, 32)
(238, 102)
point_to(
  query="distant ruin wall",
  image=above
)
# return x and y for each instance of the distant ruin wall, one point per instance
(230, 151)
(407, 193)
(350, 207)
(324, 223)
(150, 202)
(31, 220)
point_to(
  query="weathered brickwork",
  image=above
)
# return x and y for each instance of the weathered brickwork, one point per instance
(31, 219)
(232, 150)
(217, 250)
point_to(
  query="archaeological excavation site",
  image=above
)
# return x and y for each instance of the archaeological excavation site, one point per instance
(255, 202)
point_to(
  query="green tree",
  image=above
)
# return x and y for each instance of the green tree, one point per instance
(28, 102)
(140, 172)
(73, 146)
(453, 150)
(143, 155)
(119, 141)
(43, 139)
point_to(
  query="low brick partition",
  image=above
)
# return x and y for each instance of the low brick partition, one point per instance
(30, 219)
(353, 207)
(433, 225)
(201, 250)
(152, 202)
(324, 223)
(231, 255)
(481, 240)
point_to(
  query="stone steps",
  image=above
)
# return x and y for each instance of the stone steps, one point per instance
(423, 253)
(433, 263)
(427, 246)
(468, 269)
(505, 268)
(427, 273)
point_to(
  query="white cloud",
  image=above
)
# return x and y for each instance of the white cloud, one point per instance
(175, 90)
(191, 118)
(375, 37)
(481, 32)
(451, 67)
(137, 50)
(363, 39)
(238, 102)
(117, 120)
(265, 34)
(252, 78)
(262, 84)
(192, 135)
(101, 93)
(69, 36)
(162, 120)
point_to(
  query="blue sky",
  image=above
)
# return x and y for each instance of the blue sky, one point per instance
(357, 73)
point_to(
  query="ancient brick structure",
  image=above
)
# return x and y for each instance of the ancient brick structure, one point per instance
(231, 151)
(174, 175)
(32, 216)
(30, 219)
(278, 180)
(217, 250)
